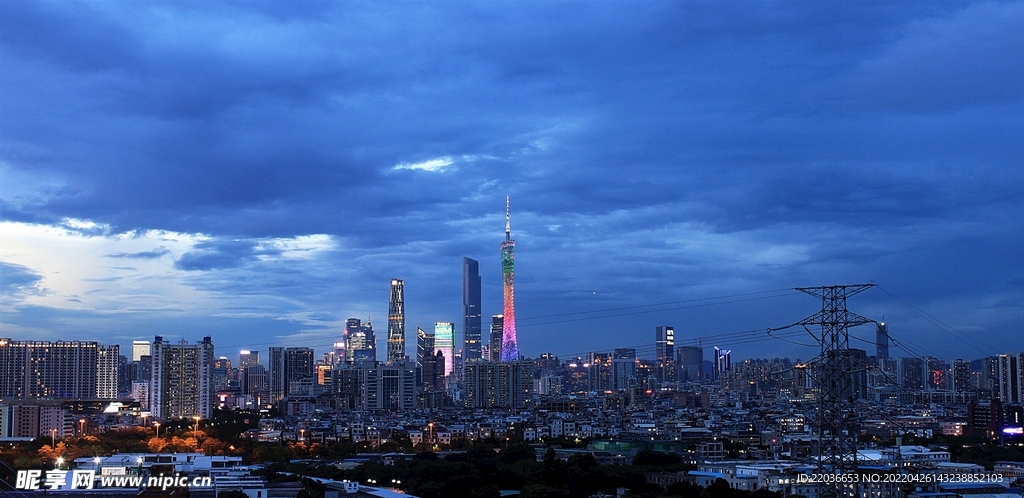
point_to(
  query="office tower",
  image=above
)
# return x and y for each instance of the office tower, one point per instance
(664, 343)
(107, 371)
(140, 349)
(339, 353)
(289, 365)
(1008, 375)
(509, 343)
(43, 369)
(255, 382)
(432, 372)
(624, 353)
(424, 345)
(182, 381)
(882, 341)
(624, 371)
(127, 372)
(723, 362)
(491, 384)
(471, 321)
(444, 343)
(396, 323)
(494, 344)
(220, 373)
(389, 387)
(690, 360)
(248, 358)
(961, 373)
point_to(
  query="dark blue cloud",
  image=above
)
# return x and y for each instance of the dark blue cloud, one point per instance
(651, 151)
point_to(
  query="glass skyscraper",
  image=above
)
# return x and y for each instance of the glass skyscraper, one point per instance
(444, 343)
(471, 333)
(396, 323)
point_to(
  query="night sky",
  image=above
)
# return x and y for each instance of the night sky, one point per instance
(259, 171)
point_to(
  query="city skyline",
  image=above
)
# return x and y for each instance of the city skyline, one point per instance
(261, 180)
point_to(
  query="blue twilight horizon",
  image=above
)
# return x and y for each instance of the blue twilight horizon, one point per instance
(258, 172)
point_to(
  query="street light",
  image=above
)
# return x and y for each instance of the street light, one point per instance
(60, 461)
(197, 423)
(157, 424)
(302, 436)
(53, 438)
(82, 422)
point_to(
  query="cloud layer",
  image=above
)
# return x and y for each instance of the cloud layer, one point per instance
(259, 171)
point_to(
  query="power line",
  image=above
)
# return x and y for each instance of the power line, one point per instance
(943, 326)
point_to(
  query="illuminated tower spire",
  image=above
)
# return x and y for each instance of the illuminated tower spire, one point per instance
(509, 344)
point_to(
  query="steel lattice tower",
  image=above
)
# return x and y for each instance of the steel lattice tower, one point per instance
(396, 323)
(837, 425)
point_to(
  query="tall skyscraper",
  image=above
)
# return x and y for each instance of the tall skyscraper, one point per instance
(1009, 375)
(691, 361)
(396, 323)
(182, 381)
(471, 324)
(509, 343)
(882, 341)
(140, 349)
(664, 343)
(494, 344)
(444, 343)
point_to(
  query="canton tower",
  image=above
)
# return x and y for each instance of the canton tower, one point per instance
(509, 345)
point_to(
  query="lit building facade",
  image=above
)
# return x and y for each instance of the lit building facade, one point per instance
(494, 344)
(444, 343)
(491, 384)
(182, 379)
(108, 367)
(43, 369)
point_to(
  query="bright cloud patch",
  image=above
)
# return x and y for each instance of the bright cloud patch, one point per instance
(437, 164)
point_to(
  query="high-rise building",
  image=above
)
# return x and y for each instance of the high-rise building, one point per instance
(912, 373)
(43, 369)
(140, 349)
(444, 343)
(882, 341)
(396, 323)
(361, 344)
(690, 360)
(287, 366)
(248, 358)
(1008, 371)
(107, 371)
(471, 318)
(961, 371)
(339, 353)
(424, 345)
(509, 342)
(389, 387)
(723, 361)
(498, 384)
(664, 343)
(182, 381)
(494, 344)
(432, 372)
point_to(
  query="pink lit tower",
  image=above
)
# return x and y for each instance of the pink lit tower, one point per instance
(509, 345)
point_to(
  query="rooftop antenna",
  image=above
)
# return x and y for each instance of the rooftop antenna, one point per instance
(508, 221)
